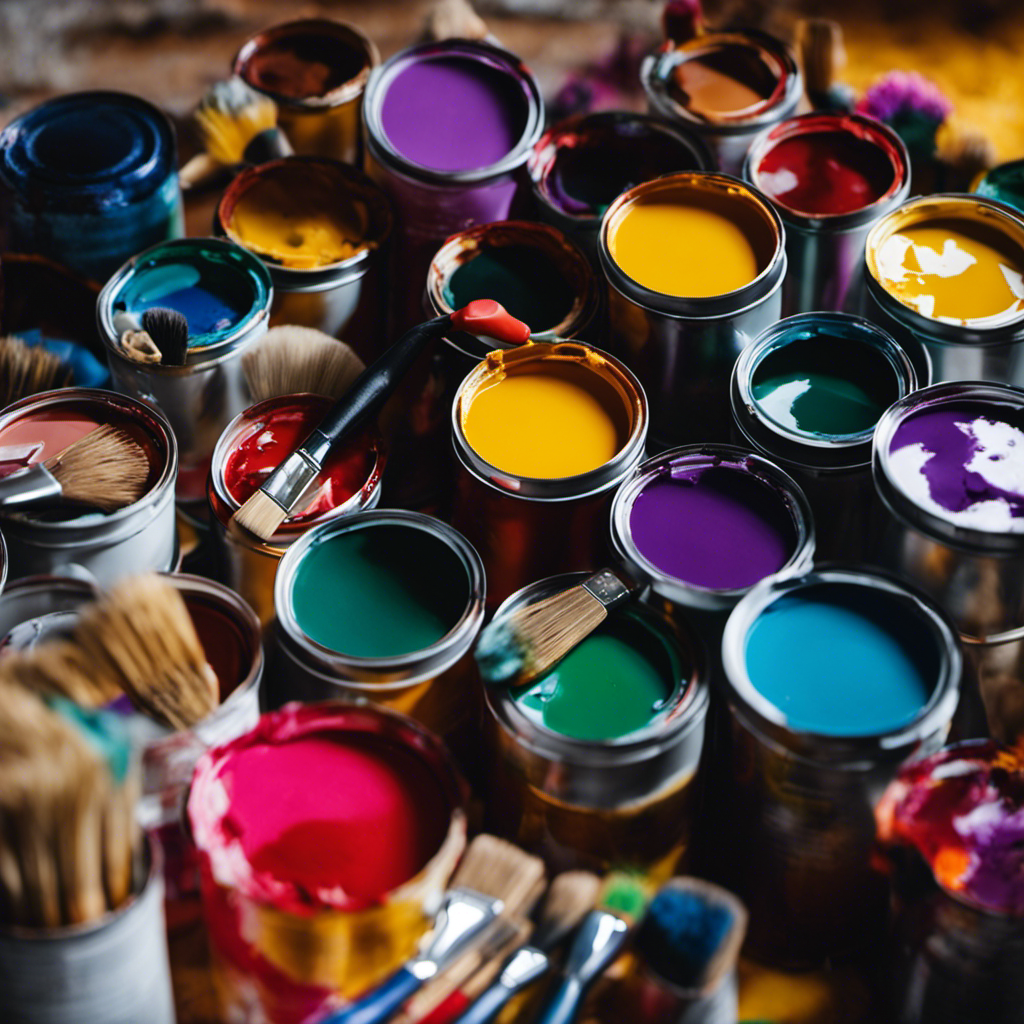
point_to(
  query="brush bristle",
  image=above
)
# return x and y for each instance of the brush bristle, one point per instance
(28, 370)
(260, 515)
(230, 116)
(538, 636)
(169, 331)
(60, 669)
(573, 894)
(141, 635)
(624, 895)
(292, 360)
(494, 867)
(106, 469)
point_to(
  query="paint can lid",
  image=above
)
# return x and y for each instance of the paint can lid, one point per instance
(91, 149)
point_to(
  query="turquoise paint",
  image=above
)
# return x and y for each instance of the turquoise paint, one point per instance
(842, 660)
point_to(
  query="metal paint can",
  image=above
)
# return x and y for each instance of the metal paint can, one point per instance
(581, 165)
(315, 70)
(959, 344)
(763, 68)
(526, 526)
(683, 348)
(827, 223)
(342, 297)
(827, 448)
(111, 971)
(432, 203)
(434, 684)
(90, 178)
(36, 606)
(1004, 182)
(800, 801)
(249, 565)
(592, 804)
(100, 547)
(201, 397)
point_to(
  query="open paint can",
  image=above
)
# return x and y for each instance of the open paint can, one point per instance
(249, 450)
(1004, 182)
(99, 546)
(315, 71)
(321, 227)
(947, 468)
(37, 606)
(326, 837)
(90, 179)
(111, 971)
(832, 177)
(224, 292)
(581, 166)
(449, 128)
(595, 764)
(724, 86)
(833, 678)
(383, 606)
(544, 433)
(807, 394)
(695, 263)
(944, 272)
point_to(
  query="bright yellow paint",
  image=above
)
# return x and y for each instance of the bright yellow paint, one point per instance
(541, 426)
(946, 271)
(677, 245)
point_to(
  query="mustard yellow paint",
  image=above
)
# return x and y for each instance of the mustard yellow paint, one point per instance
(948, 269)
(687, 242)
(298, 222)
(540, 425)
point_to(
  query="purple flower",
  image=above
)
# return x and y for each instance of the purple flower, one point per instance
(905, 93)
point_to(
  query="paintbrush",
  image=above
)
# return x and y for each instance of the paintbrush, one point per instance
(518, 648)
(492, 872)
(599, 940)
(571, 896)
(106, 469)
(168, 330)
(279, 495)
(290, 360)
(28, 370)
(239, 125)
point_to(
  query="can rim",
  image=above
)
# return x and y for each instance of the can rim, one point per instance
(691, 595)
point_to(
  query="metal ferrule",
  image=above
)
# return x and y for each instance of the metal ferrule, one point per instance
(597, 942)
(293, 478)
(31, 487)
(607, 588)
(463, 916)
(523, 968)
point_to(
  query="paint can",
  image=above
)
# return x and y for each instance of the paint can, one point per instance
(596, 794)
(442, 176)
(383, 606)
(90, 179)
(954, 521)
(537, 470)
(805, 770)
(725, 87)
(581, 165)
(225, 293)
(315, 70)
(297, 932)
(321, 227)
(695, 264)
(32, 607)
(100, 547)
(807, 394)
(966, 314)
(3, 563)
(111, 971)
(1004, 182)
(245, 454)
(832, 177)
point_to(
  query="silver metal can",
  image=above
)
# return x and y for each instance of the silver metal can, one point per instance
(963, 340)
(37, 606)
(228, 293)
(112, 971)
(707, 105)
(825, 244)
(683, 348)
(826, 449)
(100, 547)
(798, 803)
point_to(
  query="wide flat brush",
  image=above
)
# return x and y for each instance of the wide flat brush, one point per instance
(106, 469)
(516, 649)
(290, 360)
(492, 871)
(28, 370)
(279, 495)
(239, 125)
